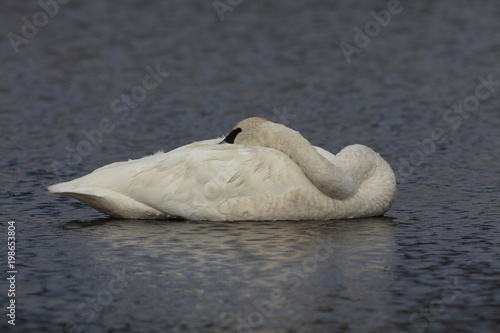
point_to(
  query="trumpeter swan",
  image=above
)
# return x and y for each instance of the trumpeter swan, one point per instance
(260, 171)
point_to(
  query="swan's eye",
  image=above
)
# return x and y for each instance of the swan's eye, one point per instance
(231, 136)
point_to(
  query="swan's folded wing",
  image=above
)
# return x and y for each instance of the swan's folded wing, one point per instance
(193, 181)
(197, 183)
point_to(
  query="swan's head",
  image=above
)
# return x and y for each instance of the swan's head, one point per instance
(252, 131)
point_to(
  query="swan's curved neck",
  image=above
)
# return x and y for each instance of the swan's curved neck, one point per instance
(329, 178)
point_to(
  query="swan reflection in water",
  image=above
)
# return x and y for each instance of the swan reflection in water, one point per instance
(334, 270)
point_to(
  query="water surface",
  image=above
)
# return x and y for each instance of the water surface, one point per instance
(430, 265)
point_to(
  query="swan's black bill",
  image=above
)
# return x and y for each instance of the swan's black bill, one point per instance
(231, 136)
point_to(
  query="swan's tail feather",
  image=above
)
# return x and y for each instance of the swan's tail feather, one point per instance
(108, 201)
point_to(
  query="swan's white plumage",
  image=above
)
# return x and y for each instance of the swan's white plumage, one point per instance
(210, 181)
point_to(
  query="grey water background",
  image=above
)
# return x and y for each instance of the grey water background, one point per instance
(432, 264)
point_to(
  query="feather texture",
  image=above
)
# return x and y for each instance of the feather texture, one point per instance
(206, 180)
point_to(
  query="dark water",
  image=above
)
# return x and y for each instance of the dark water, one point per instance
(431, 265)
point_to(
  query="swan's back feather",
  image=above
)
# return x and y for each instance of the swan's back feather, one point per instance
(210, 181)
(196, 181)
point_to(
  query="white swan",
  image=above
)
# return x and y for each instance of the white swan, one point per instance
(260, 171)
